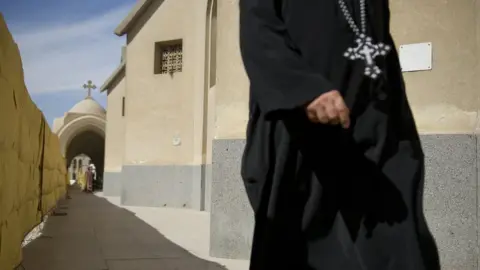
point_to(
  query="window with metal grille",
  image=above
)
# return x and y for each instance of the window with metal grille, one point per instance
(168, 57)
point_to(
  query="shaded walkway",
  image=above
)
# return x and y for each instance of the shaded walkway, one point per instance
(95, 234)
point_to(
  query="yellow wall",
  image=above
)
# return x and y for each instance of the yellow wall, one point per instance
(444, 100)
(32, 169)
(161, 107)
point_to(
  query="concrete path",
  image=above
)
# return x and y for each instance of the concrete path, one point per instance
(97, 234)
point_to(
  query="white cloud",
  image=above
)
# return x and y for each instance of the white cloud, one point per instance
(63, 56)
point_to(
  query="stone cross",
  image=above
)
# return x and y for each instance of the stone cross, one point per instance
(89, 86)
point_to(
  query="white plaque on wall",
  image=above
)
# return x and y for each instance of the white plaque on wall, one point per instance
(416, 57)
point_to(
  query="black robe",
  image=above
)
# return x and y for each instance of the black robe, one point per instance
(326, 198)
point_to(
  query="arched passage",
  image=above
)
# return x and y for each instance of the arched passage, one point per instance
(91, 144)
(84, 135)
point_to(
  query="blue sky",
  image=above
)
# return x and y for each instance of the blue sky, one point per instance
(63, 44)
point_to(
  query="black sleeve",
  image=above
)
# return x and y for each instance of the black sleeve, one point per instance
(280, 79)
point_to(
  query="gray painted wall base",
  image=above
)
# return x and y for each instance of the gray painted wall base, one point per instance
(208, 187)
(231, 221)
(163, 186)
(112, 183)
(451, 193)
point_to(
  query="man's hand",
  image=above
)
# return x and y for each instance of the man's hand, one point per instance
(329, 108)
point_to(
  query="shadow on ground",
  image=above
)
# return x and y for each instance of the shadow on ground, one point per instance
(97, 235)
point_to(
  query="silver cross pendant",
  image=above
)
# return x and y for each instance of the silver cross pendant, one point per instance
(368, 51)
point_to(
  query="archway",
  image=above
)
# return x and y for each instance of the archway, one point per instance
(84, 135)
(91, 144)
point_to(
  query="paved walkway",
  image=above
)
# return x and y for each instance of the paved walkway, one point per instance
(97, 234)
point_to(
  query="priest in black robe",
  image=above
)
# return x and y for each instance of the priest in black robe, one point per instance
(333, 164)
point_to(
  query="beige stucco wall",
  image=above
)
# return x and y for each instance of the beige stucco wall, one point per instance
(58, 124)
(231, 100)
(162, 107)
(210, 76)
(115, 130)
(444, 100)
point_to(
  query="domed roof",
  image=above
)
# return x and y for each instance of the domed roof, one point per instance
(88, 106)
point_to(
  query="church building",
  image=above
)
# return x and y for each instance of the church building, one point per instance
(157, 134)
(178, 108)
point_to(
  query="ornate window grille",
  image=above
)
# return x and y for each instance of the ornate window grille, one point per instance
(169, 57)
